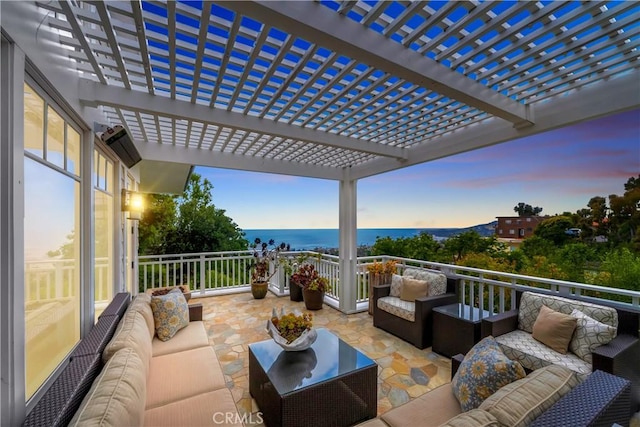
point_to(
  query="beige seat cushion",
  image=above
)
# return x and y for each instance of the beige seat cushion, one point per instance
(413, 288)
(117, 396)
(520, 345)
(182, 375)
(197, 411)
(193, 336)
(431, 409)
(554, 329)
(398, 307)
(376, 422)
(131, 332)
(519, 403)
(473, 418)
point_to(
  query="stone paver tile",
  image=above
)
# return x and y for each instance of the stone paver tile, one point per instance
(237, 320)
(417, 390)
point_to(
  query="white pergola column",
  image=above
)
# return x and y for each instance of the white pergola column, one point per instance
(12, 320)
(348, 224)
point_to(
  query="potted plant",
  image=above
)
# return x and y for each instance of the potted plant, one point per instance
(263, 254)
(379, 274)
(313, 287)
(295, 289)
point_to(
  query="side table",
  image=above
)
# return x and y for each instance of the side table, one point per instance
(456, 328)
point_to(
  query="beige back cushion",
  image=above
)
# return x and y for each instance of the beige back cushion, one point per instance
(437, 281)
(142, 304)
(117, 397)
(519, 403)
(413, 288)
(132, 332)
(554, 329)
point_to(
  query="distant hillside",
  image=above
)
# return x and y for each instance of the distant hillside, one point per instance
(485, 230)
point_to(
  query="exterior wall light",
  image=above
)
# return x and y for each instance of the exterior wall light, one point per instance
(133, 203)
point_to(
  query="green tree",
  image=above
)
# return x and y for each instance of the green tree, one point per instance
(470, 242)
(620, 268)
(189, 223)
(624, 217)
(553, 229)
(422, 246)
(536, 246)
(157, 223)
(523, 209)
(573, 259)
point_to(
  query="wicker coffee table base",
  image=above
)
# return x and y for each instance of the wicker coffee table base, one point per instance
(341, 401)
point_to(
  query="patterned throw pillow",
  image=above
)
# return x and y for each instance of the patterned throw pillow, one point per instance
(170, 314)
(589, 334)
(396, 284)
(484, 370)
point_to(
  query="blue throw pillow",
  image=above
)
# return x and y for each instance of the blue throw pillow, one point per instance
(484, 371)
(170, 313)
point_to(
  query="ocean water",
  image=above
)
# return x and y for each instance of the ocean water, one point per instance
(311, 238)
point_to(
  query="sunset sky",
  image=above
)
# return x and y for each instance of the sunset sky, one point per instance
(558, 171)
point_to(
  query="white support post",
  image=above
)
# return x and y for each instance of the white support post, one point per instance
(12, 315)
(348, 244)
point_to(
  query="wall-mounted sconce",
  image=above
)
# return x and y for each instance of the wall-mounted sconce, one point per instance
(133, 203)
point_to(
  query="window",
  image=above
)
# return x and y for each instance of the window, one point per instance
(512, 231)
(528, 219)
(507, 221)
(52, 238)
(102, 180)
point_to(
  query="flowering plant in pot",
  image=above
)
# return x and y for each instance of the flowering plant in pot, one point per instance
(313, 292)
(292, 265)
(379, 274)
(263, 254)
(293, 331)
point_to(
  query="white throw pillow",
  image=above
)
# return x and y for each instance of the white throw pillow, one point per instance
(589, 335)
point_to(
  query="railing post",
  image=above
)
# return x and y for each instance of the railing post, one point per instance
(58, 280)
(202, 275)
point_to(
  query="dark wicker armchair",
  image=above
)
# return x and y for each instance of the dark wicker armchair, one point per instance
(419, 332)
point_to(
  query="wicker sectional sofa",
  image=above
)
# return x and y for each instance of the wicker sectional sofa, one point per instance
(619, 357)
(121, 374)
(545, 398)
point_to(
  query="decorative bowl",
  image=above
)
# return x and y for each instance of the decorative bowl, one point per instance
(303, 342)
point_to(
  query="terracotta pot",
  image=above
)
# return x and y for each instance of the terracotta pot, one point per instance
(259, 289)
(295, 291)
(313, 299)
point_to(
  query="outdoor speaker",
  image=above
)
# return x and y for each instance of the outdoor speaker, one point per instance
(120, 142)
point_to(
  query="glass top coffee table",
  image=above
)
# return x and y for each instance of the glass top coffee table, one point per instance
(329, 384)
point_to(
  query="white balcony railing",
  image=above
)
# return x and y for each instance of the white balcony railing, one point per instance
(220, 272)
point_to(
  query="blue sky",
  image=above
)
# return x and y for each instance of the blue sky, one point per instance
(558, 170)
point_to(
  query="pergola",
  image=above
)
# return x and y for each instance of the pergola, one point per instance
(338, 90)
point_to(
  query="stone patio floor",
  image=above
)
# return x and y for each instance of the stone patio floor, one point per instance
(234, 321)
